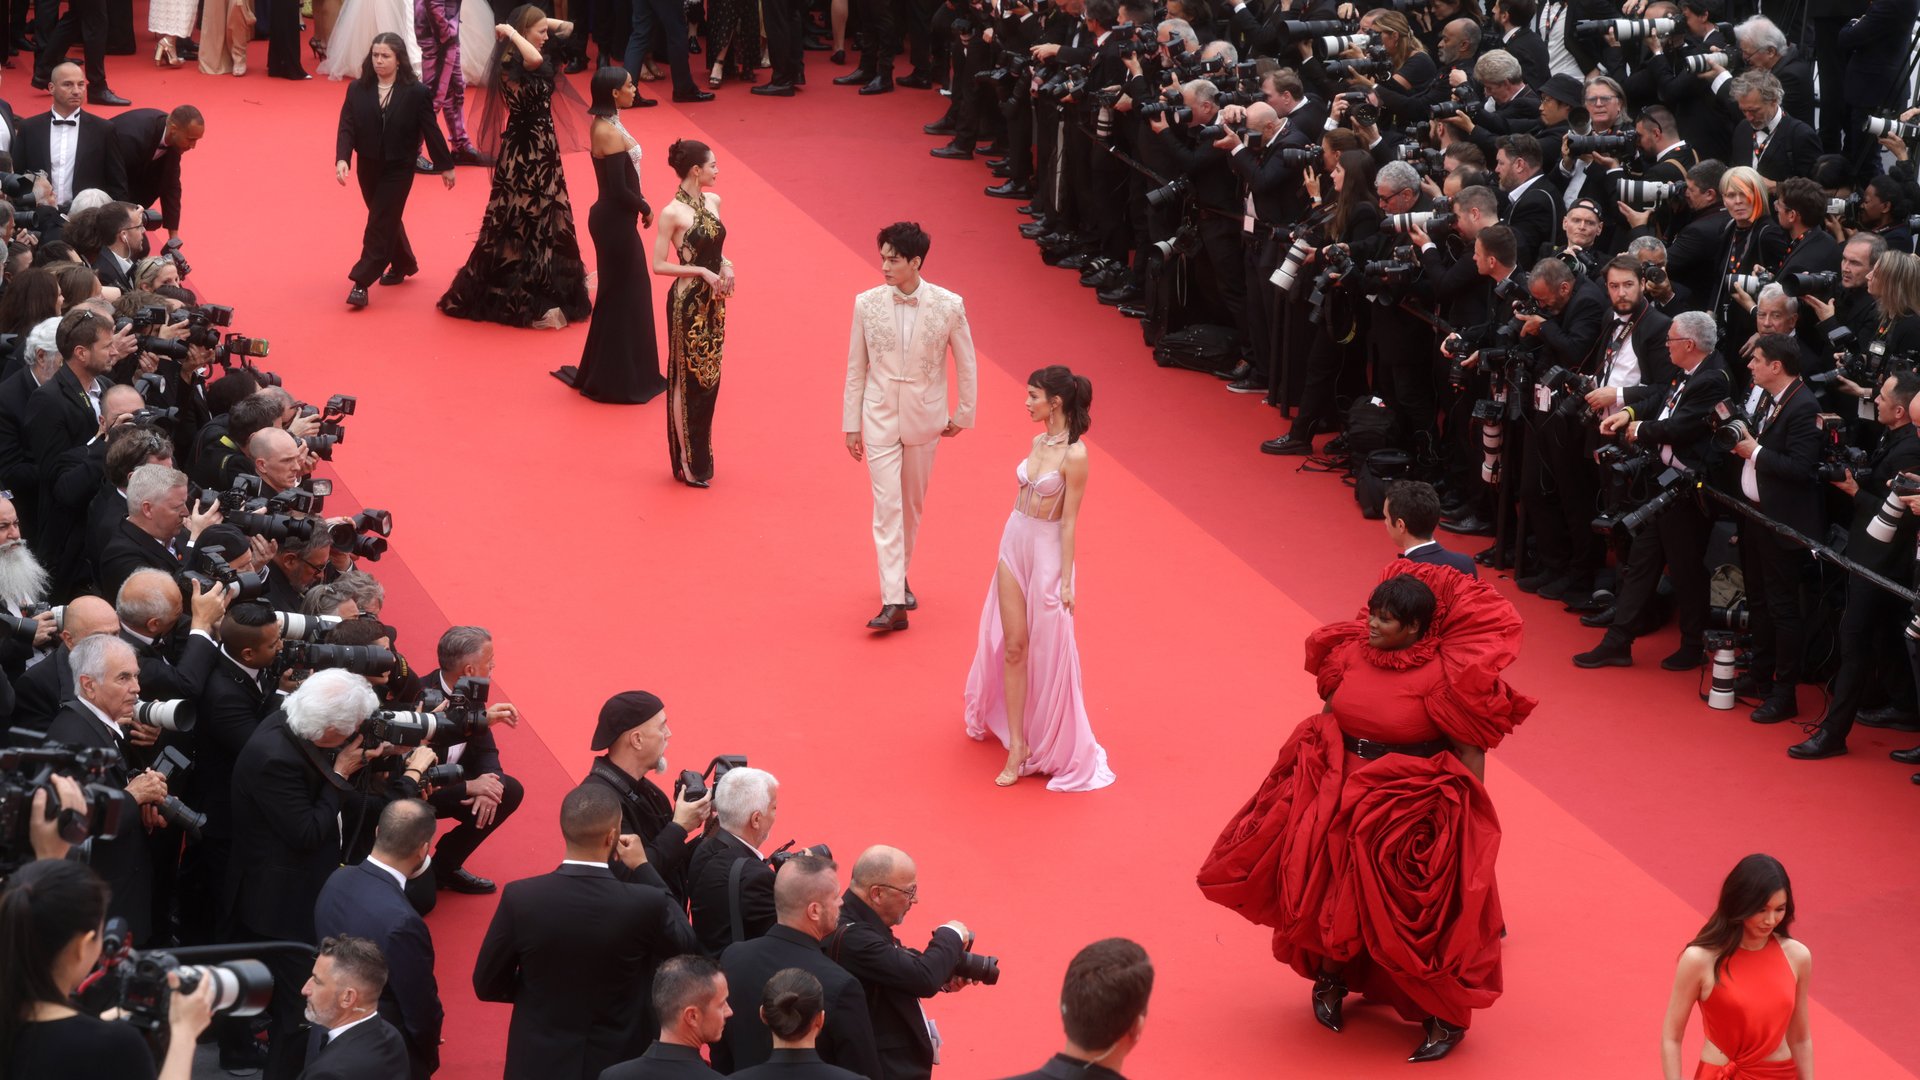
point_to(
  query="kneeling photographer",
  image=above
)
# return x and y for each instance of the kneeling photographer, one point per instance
(1881, 539)
(1672, 422)
(53, 920)
(884, 889)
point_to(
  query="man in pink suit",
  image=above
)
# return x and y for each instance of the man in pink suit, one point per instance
(895, 409)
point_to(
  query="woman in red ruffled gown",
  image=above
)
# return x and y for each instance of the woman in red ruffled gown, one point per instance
(1749, 977)
(1370, 847)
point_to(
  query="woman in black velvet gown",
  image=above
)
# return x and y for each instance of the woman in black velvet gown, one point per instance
(620, 364)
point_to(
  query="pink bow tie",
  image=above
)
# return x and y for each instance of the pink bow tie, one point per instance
(902, 298)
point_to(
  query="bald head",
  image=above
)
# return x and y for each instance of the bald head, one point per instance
(149, 602)
(1261, 117)
(86, 616)
(878, 864)
(806, 895)
(276, 457)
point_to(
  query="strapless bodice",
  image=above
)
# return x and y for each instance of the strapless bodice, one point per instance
(1046, 487)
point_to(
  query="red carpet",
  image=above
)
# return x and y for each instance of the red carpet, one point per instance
(555, 523)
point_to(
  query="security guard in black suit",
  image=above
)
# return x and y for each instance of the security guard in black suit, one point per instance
(1103, 1005)
(690, 998)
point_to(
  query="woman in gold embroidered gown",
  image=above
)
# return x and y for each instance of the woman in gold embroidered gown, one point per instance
(690, 229)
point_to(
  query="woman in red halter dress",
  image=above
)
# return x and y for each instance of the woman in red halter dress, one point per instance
(1370, 847)
(1749, 977)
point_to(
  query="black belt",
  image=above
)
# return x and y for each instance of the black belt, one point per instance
(1370, 750)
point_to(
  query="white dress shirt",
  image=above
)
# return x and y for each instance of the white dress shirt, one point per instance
(399, 878)
(1550, 22)
(113, 729)
(1623, 364)
(63, 142)
(334, 1033)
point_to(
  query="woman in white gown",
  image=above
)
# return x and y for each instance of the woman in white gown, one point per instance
(360, 20)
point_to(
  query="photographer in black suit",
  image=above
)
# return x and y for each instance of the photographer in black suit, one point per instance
(690, 998)
(1777, 476)
(151, 144)
(633, 732)
(69, 411)
(1768, 139)
(489, 797)
(350, 1040)
(1869, 624)
(807, 895)
(895, 978)
(149, 606)
(1671, 421)
(152, 537)
(43, 689)
(575, 950)
(287, 796)
(1103, 1006)
(1532, 208)
(1557, 485)
(732, 905)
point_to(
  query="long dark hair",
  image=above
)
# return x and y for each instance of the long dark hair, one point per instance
(1074, 391)
(606, 80)
(403, 68)
(45, 906)
(506, 54)
(1357, 166)
(1743, 895)
(32, 295)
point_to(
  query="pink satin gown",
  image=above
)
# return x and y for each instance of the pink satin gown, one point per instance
(1059, 736)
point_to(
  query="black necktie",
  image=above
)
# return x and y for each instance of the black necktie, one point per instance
(69, 123)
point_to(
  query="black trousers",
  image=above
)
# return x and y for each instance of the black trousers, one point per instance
(1870, 649)
(283, 46)
(1260, 255)
(286, 1012)
(1019, 110)
(460, 842)
(85, 20)
(1050, 192)
(1226, 258)
(1676, 542)
(384, 244)
(670, 23)
(1560, 493)
(887, 23)
(1774, 577)
(784, 41)
(1401, 348)
(1105, 220)
(1330, 365)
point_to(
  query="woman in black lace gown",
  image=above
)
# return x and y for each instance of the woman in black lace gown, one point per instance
(696, 309)
(525, 269)
(620, 364)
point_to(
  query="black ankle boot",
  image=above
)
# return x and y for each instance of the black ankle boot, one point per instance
(1329, 992)
(1442, 1037)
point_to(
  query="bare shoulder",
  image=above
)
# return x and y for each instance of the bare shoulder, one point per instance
(1076, 459)
(607, 140)
(1696, 960)
(713, 199)
(1797, 953)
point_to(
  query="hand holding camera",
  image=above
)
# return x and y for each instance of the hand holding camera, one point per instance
(147, 787)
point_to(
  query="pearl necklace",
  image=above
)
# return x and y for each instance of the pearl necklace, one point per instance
(1054, 440)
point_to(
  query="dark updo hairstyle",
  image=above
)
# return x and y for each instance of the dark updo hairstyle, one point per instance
(792, 999)
(45, 906)
(403, 68)
(1406, 599)
(1074, 391)
(686, 155)
(606, 80)
(1743, 895)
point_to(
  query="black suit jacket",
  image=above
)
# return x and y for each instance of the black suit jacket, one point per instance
(1649, 338)
(59, 419)
(232, 705)
(18, 469)
(1791, 150)
(168, 674)
(895, 979)
(1815, 250)
(1795, 72)
(372, 1050)
(647, 812)
(846, 1040)
(132, 549)
(41, 690)
(286, 833)
(396, 141)
(1432, 552)
(1531, 50)
(138, 134)
(1875, 48)
(797, 1065)
(707, 875)
(1535, 220)
(104, 515)
(1696, 254)
(96, 157)
(1789, 450)
(1686, 428)
(1570, 337)
(663, 1061)
(575, 952)
(365, 901)
(124, 862)
(1897, 451)
(1062, 1067)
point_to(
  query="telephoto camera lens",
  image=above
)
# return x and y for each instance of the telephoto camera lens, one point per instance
(297, 627)
(183, 817)
(240, 987)
(1289, 271)
(1647, 193)
(415, 728)
(175, 716)
(442, 775)
(1879, 127)
(1724, 672)
(979, 967)
(1701, 62)
(1886, 521)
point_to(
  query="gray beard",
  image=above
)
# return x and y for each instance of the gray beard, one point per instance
(22, 579)
(661, 765)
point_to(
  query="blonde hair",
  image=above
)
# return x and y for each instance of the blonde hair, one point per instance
(1405, 44)
(1753, 186)
(1898, 276)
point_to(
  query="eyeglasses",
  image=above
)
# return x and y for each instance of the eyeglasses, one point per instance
(319, 566)
(1595, 99)
(911, 892)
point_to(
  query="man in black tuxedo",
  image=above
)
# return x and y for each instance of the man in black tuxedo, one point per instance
(369, 900)
(1769, 140)
(1557, 482)
(350, 1040)
(285, 819)
(1696, 251)
(1777, 477)
(489, 796)
(632, 730)
(575, 950)
(731, 905)
(149, 605)
(690, 998)
(1705, 115)
(151, 144)
(1103, 1006)
(808, 898)
(122, 235)
(69, 411)
(1532, 207)
(76, 149)
(1870, 641)
(1512, 18)
(106, 688)
(1275, 194)
(86, 20)
(45, 688)
(151, 535)
(1412, 512)
(895, 978)
(1671, 420)
(785, 48)
(129, 446)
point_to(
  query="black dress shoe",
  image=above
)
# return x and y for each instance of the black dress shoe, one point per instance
(691, 96)
(1611, 652)
(392, 277)
(1028, 209)
(1585, 601)
(1003, 170)
(1686, 658)
(952, 152)
(859, 76)
(773, 89)
(1126, 294)
(41, 82)
(357, 298)
(1888, 719)
(468, 155)
(942, 126)
(1468, 526)
(1036, 230)
(104, 96)
(464, 881)
(1248, 384)
(1288, 445)
(1777, 707)
(424, 164)
(1603, 617)
(1910, 756)
(1534, 582)
(1442, 1037)
(916, 81)
(243, 1057)
(1076, 261)
(1752, 684)
(891, 617)
(1566, 587)
(913, 602)
(574, 66)
(1012, 189)
(1329, 994)
(1822, 744)
(1130, 311)
(879, 84)
(647, 102)
(839, 56)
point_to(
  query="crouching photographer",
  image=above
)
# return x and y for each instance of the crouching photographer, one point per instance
(885, 888)
(53, 923)
(1671, 425)
(1881, 539)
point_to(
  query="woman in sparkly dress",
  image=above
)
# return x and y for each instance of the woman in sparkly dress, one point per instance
(691, 230)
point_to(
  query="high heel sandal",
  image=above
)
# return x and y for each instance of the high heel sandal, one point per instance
(1010, 775)
(714, 78)
(1329, 992)
(164, 54)
(319, 48)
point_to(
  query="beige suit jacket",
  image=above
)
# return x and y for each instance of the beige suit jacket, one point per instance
(896, 391)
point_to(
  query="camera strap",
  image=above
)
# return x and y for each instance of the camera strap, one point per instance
(312, 754)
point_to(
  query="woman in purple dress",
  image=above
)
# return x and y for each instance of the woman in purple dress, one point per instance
(1025, 682)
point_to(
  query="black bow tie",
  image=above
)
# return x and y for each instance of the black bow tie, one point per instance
(69, 123)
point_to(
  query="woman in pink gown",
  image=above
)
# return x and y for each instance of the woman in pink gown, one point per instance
(1027, 666)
